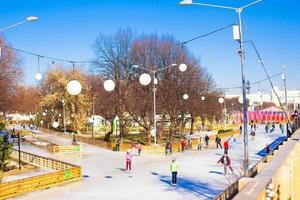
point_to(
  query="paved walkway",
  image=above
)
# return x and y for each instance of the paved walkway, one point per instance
(104, 178)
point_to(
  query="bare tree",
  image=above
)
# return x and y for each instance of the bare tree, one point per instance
(114, 61)
(10, 76)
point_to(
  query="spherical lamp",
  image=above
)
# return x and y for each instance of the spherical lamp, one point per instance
(55, 124)
(74, 87)
(182, 67)
(185, 96)
(145, 79)
(109, 85)
(221, 100)
(203, 98)
(38, 76)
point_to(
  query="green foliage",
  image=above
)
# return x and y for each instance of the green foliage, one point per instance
(2, 125)
(54, 92)
(5, 152)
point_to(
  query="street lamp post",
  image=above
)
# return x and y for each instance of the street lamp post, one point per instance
(286, 100)
(64, 115)
(238, 33)
(146, 81)
(93, 123)
(28, 19)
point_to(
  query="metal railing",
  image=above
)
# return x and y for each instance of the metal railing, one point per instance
(233, 189)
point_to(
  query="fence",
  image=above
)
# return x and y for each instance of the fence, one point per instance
(64, 173)
(233, 189)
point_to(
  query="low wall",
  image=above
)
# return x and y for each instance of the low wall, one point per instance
(64, 173)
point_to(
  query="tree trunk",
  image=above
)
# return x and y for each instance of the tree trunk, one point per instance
(192, 125)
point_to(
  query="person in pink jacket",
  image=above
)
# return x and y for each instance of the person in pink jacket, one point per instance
(128, 158)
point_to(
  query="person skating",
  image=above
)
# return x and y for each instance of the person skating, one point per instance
(168, 148)
(174, 168)
(226, 162)
(206, 141)
(254, 127)
(182, 144)
(218, 142)
(267, 128)
(139, 148)
(267, 148)
(281, 128)
(200, 143)
(74, 141)
(252, 135)
(241, 130)
(128, 159)
(226, 146)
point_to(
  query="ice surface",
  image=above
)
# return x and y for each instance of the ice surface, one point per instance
(104, 177)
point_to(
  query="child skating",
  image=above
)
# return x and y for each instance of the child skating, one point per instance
(174, 168)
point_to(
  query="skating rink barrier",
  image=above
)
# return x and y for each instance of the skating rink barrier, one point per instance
(63, 173)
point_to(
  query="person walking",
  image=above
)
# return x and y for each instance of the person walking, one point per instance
(241, 130)
(174, 168)
(128, 159)
(206, 141)
(226, 146)
(226, 162)
(218, 142)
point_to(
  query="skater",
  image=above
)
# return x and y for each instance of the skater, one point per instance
(273, 127)
(226, 146)
(267, 128)
(267, 149)
(199, 143)
(168, 148)
(254, 127)
(182, 144)
(174, 168)
(128, 158)
(226, 162)
(139, 148)
(74, 141)
(252, 135)
(241, 130)
(206, 141)
(218, 142)
(281, 128)
(190, 144)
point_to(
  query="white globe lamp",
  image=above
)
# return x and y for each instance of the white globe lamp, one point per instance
(38, 76)
(203, 98)
(221, 100)
(182, 67)
(185, 96)
(145, 79)
(74, 87)
(109, 85)
(55, 124)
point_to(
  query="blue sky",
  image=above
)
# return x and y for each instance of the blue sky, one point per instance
(67, 29)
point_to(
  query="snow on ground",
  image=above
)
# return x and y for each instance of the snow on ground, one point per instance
(104, 176)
